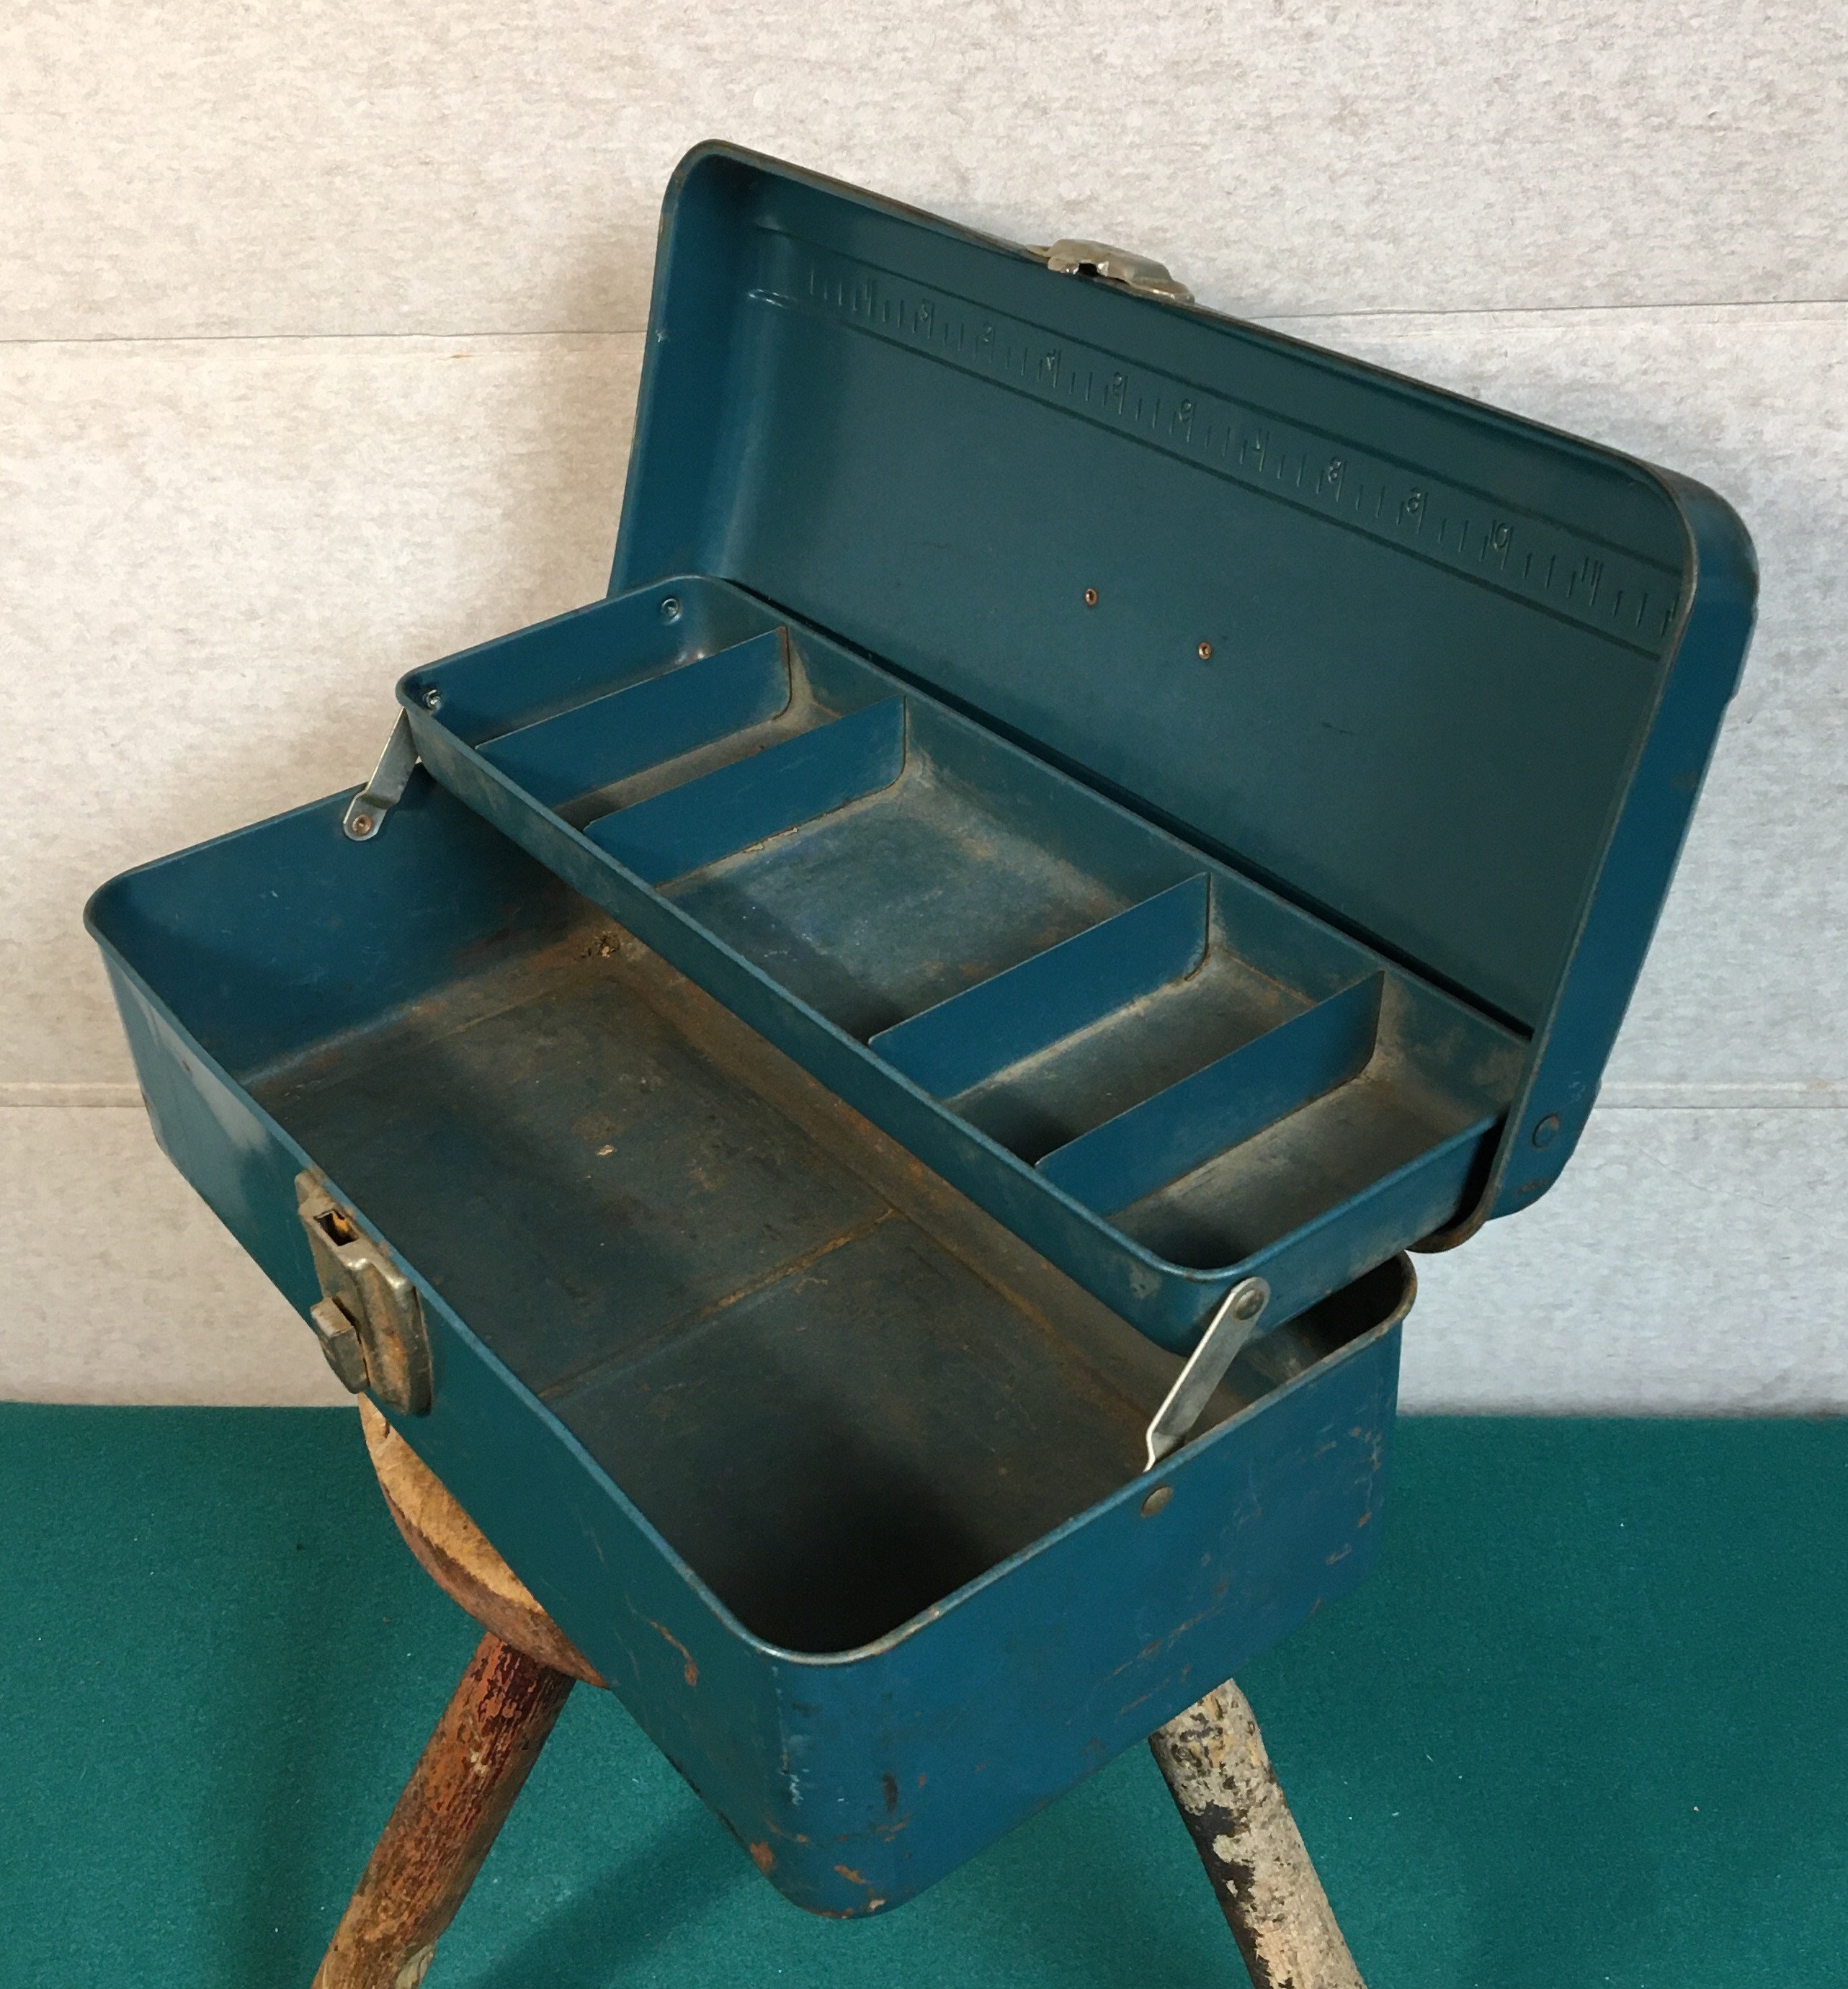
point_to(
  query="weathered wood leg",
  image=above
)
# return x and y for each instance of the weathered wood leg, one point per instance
(483, 1747)
(447, 1820)
(1213, 1758)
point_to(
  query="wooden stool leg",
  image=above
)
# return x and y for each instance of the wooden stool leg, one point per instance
(1213, 1758)
(447, 1820)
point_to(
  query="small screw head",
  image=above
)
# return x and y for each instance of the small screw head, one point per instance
(670, 608)
(432, 699)
(362, 825)
(1547, 1130)
(1090, 596)
(1248, 1299)
(1156, 1500)
(1205, 653)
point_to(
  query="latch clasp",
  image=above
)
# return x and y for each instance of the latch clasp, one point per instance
(370, 1320)
(1146, 278)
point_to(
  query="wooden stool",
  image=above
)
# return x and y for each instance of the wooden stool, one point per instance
(484, 1747)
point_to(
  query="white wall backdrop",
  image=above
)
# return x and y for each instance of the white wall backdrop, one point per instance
(320, 326)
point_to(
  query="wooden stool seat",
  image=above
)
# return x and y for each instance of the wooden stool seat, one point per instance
(456, 1556)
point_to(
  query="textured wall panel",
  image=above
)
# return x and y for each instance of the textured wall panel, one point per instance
(348, 166)
(121, 1286)
(218, 559)
(1688, 1261)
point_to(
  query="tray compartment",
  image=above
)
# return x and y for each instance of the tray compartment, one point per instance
(605, 741)
(1389, 1149)
(959, 1044)
(513, 681)
(1092, 1012)
(785, 788)
(934, 883)
(1223, 1105)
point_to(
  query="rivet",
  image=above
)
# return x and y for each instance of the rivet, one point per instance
(1206, 652)
(670, 608)
(1248, 1304)
(1547, 1130)
(432, 699)
(1090, 596)
(1156, 1500)
(362, 825)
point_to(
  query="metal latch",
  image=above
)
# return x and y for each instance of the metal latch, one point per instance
(370, 1320)
(1231, 1326)
(1137, 273)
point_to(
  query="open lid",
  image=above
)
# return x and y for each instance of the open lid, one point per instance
(1447, 677)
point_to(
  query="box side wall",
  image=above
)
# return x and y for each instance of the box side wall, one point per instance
(910, 1760)
(701, 1691)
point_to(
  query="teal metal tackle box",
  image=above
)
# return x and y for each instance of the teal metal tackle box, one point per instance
(862, 1105)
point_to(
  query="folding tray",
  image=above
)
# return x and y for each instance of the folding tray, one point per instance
(1208, 798)
(839, 1486)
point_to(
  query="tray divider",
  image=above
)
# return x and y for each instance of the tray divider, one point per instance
(625, 732)
(959, 1041)
(796, 782)
(1221, 1106)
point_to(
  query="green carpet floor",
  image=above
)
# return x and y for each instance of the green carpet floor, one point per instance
(1588, 1725)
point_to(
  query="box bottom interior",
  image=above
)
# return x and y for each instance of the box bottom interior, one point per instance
(835, 1389)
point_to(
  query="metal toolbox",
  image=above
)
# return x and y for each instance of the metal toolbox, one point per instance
(861, 1107)
(838, 1486)
(1206, 798)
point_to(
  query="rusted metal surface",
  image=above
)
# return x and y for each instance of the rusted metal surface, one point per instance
(370, 1319)
(1214, 1759)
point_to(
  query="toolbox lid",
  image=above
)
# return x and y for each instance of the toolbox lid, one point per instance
(1443, 675)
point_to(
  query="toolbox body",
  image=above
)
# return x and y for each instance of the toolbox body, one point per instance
(837, 1486)
(1072, 806)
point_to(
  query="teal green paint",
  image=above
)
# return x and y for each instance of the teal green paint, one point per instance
(1588, 1722)
(486, 1121)
(1445, 679)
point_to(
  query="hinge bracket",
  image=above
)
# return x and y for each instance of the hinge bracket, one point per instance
(367, 810)
(1226, 1333)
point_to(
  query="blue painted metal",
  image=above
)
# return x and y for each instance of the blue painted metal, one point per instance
(1224, 1104)
(593, 745)
(962, 863)
(1016, 1015)
(1444, 681)
(769, 1420)
(785, 786)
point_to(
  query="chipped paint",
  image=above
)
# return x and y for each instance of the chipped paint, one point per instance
(691, 1671)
